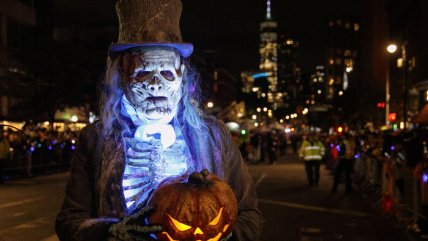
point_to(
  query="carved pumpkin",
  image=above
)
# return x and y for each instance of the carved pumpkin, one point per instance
(202, 209)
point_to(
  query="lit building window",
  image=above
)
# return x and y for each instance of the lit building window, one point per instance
(331, 61)
(400, 62)
(356, 27)
(347, 53)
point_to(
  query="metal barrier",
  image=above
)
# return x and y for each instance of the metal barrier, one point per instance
(391, 187)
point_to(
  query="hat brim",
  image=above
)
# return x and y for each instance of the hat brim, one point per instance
(185, 49)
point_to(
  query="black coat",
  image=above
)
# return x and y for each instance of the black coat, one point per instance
(94, 196)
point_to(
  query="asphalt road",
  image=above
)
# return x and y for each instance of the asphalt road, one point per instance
(292, 210)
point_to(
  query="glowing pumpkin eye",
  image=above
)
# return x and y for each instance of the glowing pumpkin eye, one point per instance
(178, 225)
(217, 218)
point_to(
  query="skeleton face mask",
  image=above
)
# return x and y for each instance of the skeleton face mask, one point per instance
(152, 81)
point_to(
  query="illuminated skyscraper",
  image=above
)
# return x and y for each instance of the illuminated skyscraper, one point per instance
(342, 53)
(269, 53)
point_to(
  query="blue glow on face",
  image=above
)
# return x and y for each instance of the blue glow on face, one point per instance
(425, 177)
(260, 75)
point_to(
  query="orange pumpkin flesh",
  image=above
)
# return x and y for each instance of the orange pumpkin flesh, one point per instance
(202, 209)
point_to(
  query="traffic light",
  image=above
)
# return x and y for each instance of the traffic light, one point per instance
(392, 116)
(381, 105)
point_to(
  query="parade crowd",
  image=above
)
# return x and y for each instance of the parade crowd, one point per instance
(34, 149)
(393, 163)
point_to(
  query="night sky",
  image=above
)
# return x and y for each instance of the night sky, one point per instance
(231, 27)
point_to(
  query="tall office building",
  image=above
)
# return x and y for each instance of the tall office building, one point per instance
(17, 31)
(342, 52)
(289, 72)
(269, 55)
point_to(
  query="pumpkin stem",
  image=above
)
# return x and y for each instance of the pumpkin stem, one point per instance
(198, 178)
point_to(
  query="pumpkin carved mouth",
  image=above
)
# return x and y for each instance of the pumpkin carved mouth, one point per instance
(201, 209)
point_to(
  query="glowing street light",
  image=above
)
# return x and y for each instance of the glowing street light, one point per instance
(210, 104)
(391, 48)
(305, 111)
(74, 118)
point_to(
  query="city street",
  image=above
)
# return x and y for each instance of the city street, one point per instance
(292, 210)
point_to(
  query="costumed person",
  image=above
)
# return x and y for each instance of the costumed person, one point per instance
(312, 151)
(150, 128)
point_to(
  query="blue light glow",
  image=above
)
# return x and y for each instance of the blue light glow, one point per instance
(50, 148)
(338, 148)
(260, 75)
(73, 148)
(392, 148)
(357, 156)
(32, 149)
(425, 177)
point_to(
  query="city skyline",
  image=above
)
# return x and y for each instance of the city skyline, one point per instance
(231, 28)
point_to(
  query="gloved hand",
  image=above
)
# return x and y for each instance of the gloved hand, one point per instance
(227, 238)
(134, 227)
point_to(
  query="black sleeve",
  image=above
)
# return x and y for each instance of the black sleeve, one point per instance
(77, 219)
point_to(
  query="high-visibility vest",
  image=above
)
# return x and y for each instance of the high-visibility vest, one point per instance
(311, 152)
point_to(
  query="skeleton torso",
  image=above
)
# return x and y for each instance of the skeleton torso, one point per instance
(148, 163)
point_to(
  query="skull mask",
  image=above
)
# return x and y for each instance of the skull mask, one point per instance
(152, 81)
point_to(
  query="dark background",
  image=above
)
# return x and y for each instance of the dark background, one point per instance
(231, 28)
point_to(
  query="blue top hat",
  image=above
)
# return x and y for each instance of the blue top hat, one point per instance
(147, 23)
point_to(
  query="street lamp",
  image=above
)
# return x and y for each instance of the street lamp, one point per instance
(392, 48)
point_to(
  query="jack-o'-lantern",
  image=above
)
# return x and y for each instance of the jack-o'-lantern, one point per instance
(201, 209)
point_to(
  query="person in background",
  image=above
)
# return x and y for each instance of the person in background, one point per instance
(311, 152)
(4, 152)
(346, 162)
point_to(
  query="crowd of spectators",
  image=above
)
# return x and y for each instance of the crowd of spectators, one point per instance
(35, 148)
